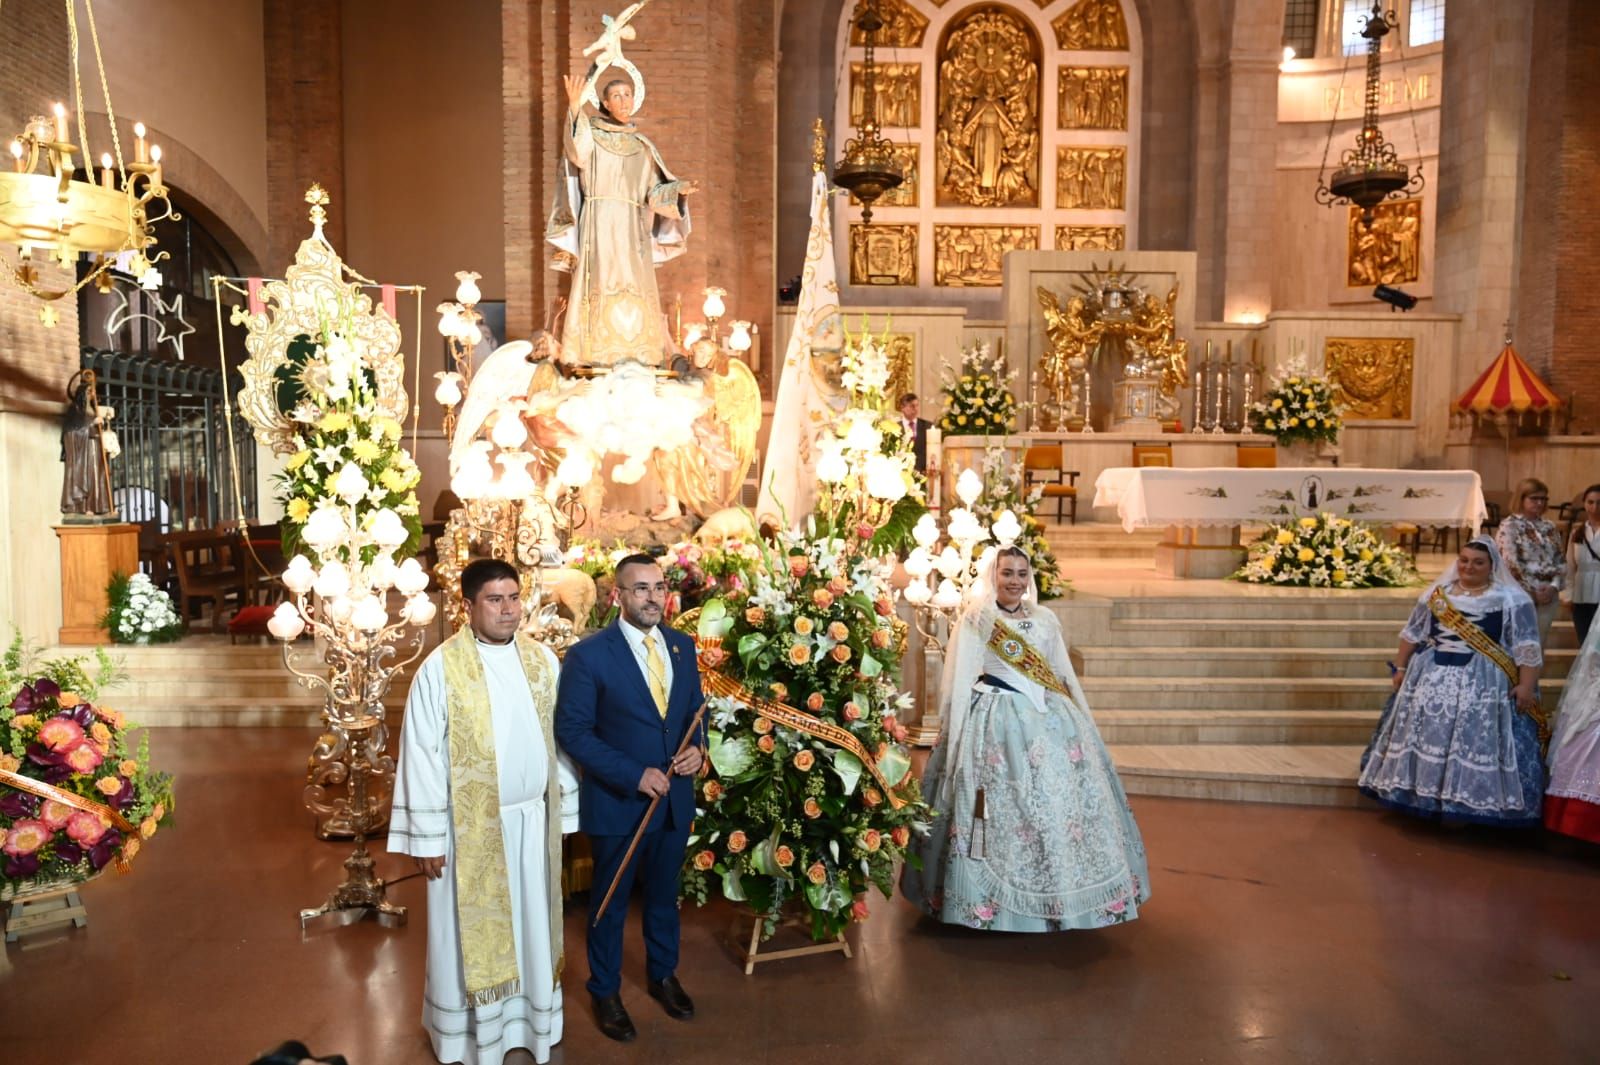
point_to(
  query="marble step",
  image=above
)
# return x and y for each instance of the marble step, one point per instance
(241, 711)
(1260, 662)
(1232, 693)
(1254, 633)
(1272, 605)
(1162, 727)
(1310, 774)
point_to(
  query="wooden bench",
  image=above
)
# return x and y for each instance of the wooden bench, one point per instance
(208, 566)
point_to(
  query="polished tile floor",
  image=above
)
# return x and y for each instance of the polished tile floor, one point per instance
(1276, 934)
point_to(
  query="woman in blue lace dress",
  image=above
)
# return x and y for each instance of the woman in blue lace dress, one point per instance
(1460, 738)
(1031, 831)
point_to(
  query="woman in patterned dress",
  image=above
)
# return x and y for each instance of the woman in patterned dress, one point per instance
(1572, 801)
(1032, 831)
(1460, 739)
(1533, 552)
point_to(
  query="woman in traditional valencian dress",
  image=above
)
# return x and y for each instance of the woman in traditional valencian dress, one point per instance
(1532, 550)
(618, 213)
(1460, 738)
(1031, 831)
(1572, 800)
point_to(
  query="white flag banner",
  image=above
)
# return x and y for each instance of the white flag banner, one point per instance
(809, 396)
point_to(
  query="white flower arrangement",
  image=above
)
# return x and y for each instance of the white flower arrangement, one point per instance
(140, 612)
(1299, 407)
(349, 482)
(1326, 551)
(978, 399)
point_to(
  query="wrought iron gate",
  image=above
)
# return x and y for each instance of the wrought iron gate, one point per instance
(174, 472)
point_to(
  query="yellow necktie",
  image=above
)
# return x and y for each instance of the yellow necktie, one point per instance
(657, 671)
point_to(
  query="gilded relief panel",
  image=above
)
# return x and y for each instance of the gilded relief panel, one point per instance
(1092, 26)
(1091, 178)
(1390, 251)
(903, 26)
(902, 365)
(986, 150)
(905, 193)
(1090, 238)
(899, 95)
(883, 254)
(1371, 377)
(971, 256)
(1092, 98)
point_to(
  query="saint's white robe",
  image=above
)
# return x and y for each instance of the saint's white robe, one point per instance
(421, 826)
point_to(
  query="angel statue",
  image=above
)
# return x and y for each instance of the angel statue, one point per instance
(618, 213)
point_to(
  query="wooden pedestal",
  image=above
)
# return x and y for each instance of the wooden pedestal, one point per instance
(90, 556)
(753, 955)
(1209, 553)
(46, 910)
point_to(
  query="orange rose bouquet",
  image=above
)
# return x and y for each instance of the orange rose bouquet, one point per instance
(75, 792)
(805, 749)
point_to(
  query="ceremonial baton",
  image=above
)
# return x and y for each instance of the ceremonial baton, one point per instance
(649, 812)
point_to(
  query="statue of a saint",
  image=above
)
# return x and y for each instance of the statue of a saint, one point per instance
(86, 485)
(618, 213)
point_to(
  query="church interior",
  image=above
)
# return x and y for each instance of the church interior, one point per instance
(1257, 329)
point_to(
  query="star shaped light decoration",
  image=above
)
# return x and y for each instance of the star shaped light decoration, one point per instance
(166, 314)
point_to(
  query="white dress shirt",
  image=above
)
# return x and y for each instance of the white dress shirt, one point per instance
(635, 637)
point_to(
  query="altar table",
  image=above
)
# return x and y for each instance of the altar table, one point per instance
(1204, 507)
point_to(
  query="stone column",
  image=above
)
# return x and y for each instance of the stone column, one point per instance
(37, 362)
(1486, 59)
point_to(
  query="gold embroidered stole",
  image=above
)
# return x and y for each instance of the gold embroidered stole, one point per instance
(1490, 648)
(1020, 655)
(483, 885)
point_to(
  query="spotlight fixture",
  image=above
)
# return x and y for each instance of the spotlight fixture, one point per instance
(1397, 299)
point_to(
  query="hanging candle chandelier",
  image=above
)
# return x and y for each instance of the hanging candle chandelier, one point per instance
(52, 206)
(868, 169)
(1371, 172)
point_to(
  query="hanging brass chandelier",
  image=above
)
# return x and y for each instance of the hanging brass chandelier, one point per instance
(1371, 172)
(52, 209)
(868, 169)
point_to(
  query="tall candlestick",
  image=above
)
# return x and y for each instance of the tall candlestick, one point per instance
(141, 149)
(61, 124)
(1199, 414)
(107, 175)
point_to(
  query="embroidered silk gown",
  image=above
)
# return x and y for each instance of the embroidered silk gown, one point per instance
(1451, 743)
(1056, 846)
(422, 825)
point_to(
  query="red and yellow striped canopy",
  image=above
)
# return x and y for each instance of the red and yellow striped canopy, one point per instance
(1508, 386)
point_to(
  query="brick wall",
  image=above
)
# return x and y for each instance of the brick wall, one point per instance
(1558, 297)
(35, 362)
(710, 75)
(305, 121)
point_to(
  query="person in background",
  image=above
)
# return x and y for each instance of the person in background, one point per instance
(1530, 546)
(915, 428)
(1583, 564)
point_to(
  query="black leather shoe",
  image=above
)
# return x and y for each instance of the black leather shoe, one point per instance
(671, 994)
(614, 1020)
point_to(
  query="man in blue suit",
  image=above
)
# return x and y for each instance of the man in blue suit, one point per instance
(628, 694)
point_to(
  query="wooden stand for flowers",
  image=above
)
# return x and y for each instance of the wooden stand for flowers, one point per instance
(753, 954)
(43, 906)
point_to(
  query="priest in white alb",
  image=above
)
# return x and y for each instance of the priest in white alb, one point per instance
(482, 797)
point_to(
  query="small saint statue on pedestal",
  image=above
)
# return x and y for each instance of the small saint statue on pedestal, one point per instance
(86, 484)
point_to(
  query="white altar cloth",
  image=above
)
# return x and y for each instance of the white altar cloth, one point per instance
(1159, 495)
